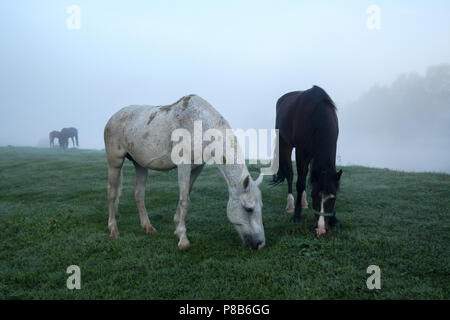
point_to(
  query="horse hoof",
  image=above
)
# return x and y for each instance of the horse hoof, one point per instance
(296, 219)
(320, 231)
(114, 234)
(304, 206)
(184, 245)
(149, 230)
(290, 206)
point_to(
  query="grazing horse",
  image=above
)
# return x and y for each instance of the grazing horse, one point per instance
(64, 136)
(52, 136)
(307, 121)
(143, 134)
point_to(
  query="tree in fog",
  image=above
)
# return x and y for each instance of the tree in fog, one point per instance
(403, 125)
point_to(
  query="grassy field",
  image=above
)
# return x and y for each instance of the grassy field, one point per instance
(53, 214)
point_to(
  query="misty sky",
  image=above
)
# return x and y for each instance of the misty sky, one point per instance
(239, 55)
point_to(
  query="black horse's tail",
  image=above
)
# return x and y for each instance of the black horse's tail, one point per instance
(280, 165)
(281, 175)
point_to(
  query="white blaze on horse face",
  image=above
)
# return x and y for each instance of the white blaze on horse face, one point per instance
(323, 200)
(321, 223)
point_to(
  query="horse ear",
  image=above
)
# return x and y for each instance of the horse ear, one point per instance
(260, 179)
(246, 182)
(338, 175)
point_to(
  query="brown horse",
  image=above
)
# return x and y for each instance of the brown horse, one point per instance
(52, 136)
(307, 121)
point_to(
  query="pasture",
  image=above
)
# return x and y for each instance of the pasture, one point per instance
(53, 214)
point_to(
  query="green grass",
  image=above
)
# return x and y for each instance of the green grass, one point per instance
(53, 213)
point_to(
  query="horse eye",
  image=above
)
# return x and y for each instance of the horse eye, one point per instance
(249, 210)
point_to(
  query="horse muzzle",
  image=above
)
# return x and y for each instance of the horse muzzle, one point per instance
(254, 242)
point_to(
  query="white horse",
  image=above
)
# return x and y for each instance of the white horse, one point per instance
(143, 134)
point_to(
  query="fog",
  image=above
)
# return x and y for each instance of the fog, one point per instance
(404, 125)
(390, 82)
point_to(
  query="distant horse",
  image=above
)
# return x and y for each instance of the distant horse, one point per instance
(64, 136)
(52, 136)
(307, 121)
(143, 134)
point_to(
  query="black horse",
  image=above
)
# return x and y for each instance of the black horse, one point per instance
(65, 134)
(307, 121)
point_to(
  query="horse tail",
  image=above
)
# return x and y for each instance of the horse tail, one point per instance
(281, 175)
(280, 165)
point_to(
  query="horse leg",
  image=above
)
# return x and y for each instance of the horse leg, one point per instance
(302, 172)
(304, 200)
(114, 185)
(184, 177)
(139, 195)
(334, 222)
(195, 172)
(285, 170)
(290, 207)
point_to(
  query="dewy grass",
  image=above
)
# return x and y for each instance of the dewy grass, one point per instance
(53, 214)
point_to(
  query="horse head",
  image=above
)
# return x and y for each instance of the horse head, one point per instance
(244, 211)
